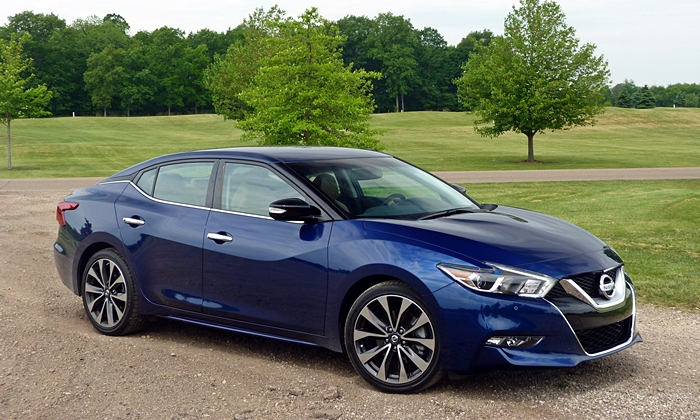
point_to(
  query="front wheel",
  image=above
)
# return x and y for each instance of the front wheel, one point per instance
(391, 340)
(109, 294)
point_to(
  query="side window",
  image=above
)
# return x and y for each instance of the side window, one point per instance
(251, 189)
(185, 183)
(146, 181)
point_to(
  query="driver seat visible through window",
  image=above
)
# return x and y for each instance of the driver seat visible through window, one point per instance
(329, 186)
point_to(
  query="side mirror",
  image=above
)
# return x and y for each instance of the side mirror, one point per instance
(293, 210)
(459, 188)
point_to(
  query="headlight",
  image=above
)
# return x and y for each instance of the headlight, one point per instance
(501, 279)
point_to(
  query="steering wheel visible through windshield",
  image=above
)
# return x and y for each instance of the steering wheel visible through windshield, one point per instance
(382, 188)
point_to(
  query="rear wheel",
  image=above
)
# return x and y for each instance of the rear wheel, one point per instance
(109, 294)
(391, 339)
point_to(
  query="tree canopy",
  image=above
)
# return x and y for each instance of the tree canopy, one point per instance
(17, 99)
(288, 84)
(97, 65)
(535, 77)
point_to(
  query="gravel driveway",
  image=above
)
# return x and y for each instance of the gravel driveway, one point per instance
(54, 365)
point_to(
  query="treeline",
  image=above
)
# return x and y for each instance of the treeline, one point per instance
(95, 65)
(629, 95)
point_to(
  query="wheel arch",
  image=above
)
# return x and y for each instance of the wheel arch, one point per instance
(366, 277)
(89, 247)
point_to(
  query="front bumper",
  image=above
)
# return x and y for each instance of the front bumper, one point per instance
(572, 331)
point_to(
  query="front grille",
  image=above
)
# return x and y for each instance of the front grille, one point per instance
(557, 292)
(603, 338)
(589, 282)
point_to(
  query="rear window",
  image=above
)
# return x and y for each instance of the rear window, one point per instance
(185, 183)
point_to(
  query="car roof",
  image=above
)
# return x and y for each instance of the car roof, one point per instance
(271, 154)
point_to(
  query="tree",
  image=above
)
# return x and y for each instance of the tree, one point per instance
(232, 73)
(692, 100)
(646, 99)
(535, 77)
(624, 100)
(303, 94)
(433, 71)
(105, 76)
(393, 43)
(16, 100)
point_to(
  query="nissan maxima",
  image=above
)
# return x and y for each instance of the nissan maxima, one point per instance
(352, 250)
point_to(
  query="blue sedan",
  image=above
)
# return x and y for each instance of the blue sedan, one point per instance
(351, 250)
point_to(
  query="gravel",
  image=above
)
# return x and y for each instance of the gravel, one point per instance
(53, 364)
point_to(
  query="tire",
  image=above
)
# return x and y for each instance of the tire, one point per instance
(391, 339)
(109, 294)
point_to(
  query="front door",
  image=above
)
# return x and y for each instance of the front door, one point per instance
(261, 270)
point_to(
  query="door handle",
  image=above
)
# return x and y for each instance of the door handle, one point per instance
(220, 237)
(133, 222)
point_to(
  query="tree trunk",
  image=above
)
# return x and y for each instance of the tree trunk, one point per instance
(9, 152)
(127, 111)
(104, 111)
(530, 147)
(168, 110)
(397, 102)
(195, 108)
(403, 108)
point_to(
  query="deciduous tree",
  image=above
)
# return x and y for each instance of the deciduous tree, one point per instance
(303, 94)
(535, 77)
(16, 99)
(105, 76)
(393, 43)
(232, 73)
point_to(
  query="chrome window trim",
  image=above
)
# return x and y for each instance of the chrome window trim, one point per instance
(257, 216)
(237, 213)
(158, 200)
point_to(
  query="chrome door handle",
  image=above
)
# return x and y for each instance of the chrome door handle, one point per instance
(219, 238)
(133, 222)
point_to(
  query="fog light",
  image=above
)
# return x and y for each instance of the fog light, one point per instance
(519, 342)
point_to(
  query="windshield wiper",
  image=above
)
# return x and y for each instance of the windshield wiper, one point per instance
(445, 213)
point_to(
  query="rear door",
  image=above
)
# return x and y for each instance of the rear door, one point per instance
(162, 221)
(261, 270)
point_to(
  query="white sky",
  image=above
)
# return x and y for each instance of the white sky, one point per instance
(649, 41)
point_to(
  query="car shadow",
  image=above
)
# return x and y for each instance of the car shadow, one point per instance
(587, 375)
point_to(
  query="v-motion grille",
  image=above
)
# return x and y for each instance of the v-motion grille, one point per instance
(589, 282)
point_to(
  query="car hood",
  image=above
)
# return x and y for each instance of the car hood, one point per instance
(510, 236)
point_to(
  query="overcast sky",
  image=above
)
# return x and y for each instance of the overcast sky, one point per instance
(649, 41)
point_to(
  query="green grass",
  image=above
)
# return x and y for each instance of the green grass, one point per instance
(437, 141)
(623, 138)
(92, 146)
(654, 225)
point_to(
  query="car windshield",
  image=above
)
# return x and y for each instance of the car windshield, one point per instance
(382, 188)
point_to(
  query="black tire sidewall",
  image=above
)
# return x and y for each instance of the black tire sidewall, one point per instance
(116, 258)
(400, 289)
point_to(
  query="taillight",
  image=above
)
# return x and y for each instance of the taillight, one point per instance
(61, 209)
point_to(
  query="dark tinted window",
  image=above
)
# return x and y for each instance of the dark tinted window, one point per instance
(185, 183)
(381, 188)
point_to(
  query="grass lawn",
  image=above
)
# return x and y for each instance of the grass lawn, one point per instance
(437, 141)
(622, 138)
(653, 225)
